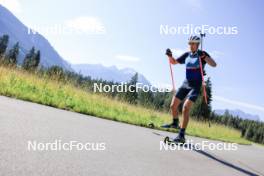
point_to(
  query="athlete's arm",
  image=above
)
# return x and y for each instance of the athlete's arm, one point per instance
(179, 60)
(173, 60)
(208, 59)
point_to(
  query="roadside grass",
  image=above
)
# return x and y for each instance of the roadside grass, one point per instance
(23, 85)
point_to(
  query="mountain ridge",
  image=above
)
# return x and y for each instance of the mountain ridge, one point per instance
(239, 113)
(18, 32)
(111, 73)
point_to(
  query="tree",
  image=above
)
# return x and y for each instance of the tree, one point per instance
(167, 102)
(31, 60)
(145, 98)
(11, 57)
(132, 94)
(3, 44)
(28, 59)
(249, 132)
(36, 60)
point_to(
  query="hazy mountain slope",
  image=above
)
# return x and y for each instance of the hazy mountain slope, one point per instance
(18, 32)
(108, 73)
(239, 113)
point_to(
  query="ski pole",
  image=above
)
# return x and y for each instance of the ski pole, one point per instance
(172, 78)
(203, 82)
(201, 69)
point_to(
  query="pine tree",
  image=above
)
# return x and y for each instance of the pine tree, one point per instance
(3, 44)
(145, 98)
(249, 132)
(31, 60)
(11, 57)
(28, 59)
(36, 60)
(167, 102)
(132, 95)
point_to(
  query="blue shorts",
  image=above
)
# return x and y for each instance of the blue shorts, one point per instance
(189, 90)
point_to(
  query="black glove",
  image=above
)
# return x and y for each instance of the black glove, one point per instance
(168, 52)
(203, 55)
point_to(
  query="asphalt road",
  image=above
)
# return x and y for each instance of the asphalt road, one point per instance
(129, 150)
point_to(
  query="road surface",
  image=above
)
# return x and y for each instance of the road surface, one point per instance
(129, 150)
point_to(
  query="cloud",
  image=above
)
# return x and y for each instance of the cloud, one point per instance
(239, 103)
(127, 58)
(87, 24)
(12, 5)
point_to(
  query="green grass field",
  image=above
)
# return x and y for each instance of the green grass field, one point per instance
(22, 85)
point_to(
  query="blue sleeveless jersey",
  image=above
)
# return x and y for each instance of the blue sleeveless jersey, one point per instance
(191, 61)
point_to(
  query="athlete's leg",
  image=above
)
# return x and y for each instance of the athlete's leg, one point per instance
(176, 100)
(186, 113)
(191, 98)
(174, 107)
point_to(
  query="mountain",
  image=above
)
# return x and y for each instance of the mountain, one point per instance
(18, 32)
(239, 113)
(112, 73)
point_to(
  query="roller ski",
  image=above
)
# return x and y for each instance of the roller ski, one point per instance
(178, 140)
(151, 125)
(167, 126)
(174, 124)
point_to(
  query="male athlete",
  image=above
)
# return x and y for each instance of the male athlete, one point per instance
(190, 89)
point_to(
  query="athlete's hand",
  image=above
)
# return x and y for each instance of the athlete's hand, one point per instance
(168, 53)
(203, 56)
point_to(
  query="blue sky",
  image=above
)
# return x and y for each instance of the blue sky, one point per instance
(132, 38)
